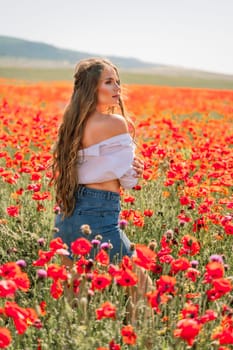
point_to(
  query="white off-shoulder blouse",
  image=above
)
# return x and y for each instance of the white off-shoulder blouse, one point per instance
(108, 160)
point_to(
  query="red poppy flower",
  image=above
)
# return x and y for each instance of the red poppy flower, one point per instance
(126, 263)
(34, 187)
(180, 264)
(166, 284)
(41, 196)
(190, 246)
(156, 269)
(13, 210)
(137, 187)
(81, 246)
(9, 270)
(148, 212)
(56, 244)
(190, 311)
(184, 200)
(129, 199)
(76, 284)
(199, 224)
(42, 308)
(138, 219)
(35, 176)
(214, 270)
(224, 335)
(56, 289)
(102, 257)
(18, 314)
(22, 317)
(127, 214)
(166, 245)
(5, 337)
(187, 329)
(126, 277)
(192, 274)
(7, 289)
(183, 217)
(114, 346)
(44, 258)
(221, 286)
(20, 191)
(228, 229)
(107, 310)
(155, 298)
(210, 315)
(57, 272)
(128, 334)
(22, 281)
(113, 270)
(145, 257)
(100, 281)
(81, 265)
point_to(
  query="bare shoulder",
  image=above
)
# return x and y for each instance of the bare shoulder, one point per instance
(115, 124)
(103, 127)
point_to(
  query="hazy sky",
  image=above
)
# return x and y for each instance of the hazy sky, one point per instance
(188, 33)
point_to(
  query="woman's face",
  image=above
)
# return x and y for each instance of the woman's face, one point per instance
(108, 91)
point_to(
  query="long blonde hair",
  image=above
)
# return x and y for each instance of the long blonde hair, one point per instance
(82, 104)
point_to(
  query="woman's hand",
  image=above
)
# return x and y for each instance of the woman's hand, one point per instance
(138, 166)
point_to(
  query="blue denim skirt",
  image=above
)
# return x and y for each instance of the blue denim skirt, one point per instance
(100, 210)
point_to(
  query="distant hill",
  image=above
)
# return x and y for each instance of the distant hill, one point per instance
(25, 59)
(19, 48)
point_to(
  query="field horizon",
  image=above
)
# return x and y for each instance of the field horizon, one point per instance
(175, 78)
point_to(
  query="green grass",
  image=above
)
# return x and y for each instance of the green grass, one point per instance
(50, 74)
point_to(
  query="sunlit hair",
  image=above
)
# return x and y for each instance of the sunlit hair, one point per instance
(82, 104)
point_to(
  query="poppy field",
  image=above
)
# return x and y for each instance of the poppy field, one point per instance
(179, 219)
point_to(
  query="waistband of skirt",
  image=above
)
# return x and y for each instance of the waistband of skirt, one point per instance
(84, 191)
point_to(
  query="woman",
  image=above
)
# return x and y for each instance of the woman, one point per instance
(93, 157)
